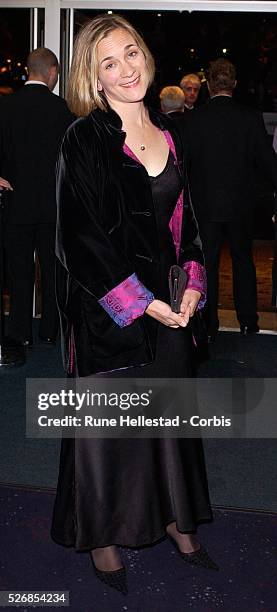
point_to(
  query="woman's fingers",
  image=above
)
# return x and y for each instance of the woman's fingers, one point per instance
(176, 320)
(190, 302)
(186, 315)
(4, 183)
(162, 312)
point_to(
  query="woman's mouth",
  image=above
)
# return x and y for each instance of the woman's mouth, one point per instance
(131, 83)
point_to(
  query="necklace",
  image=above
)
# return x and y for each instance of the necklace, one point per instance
(142, 147)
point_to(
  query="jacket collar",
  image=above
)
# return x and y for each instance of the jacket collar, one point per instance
(33, 82)
(111, 121)
(221, 99)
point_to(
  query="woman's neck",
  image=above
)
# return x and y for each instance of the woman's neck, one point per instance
(133, 114)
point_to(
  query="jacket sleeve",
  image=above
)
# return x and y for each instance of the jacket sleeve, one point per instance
(191, 255)
(185, 233)
(83, 245)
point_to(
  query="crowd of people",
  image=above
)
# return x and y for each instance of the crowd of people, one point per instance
(138, 191)
(225, 144)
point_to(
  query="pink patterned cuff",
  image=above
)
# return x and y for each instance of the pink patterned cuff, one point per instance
(197, 280)
(127, 301)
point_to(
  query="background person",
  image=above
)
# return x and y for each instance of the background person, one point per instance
(274, 265)
(227, 142)
(32, 124)
(190, 85)
(172, 100)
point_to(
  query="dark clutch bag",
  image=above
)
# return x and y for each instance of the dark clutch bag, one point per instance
(178, 279)
(177, 284)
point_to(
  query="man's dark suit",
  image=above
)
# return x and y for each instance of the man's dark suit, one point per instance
(226, 143)
(32, 124)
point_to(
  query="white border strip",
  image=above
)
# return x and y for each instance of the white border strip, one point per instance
(256, 6)
(71, 34)
(35, 29)
(174, 5)
(23, 3)
(267, 332)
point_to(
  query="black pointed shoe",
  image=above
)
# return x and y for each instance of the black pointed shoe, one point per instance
(198, 557)
(116, 579)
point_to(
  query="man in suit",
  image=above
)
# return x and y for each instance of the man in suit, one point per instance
(32, 124)
(172, 100)
(190, 85)
(226, 144)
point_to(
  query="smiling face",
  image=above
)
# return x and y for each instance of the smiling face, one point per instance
(122, 71)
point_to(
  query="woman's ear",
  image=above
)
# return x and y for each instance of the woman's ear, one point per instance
(99, 86)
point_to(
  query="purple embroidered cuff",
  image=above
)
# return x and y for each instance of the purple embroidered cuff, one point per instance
(197, 280)
(127, 301)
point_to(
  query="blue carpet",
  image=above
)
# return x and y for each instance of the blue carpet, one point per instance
(243, 543)
(241, 472)
(233, 356)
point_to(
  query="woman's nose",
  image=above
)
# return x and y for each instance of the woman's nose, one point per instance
(127, 69)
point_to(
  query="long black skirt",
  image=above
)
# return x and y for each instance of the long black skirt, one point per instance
(126, 491)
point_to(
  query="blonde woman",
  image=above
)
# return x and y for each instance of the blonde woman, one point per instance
(121, 224)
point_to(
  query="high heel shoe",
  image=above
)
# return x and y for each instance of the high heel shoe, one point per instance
(116, 579)
(198, 557)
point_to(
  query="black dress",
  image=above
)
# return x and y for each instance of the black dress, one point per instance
(125, 491)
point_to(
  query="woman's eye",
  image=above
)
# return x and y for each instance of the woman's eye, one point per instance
(133, 53)
(109, 66)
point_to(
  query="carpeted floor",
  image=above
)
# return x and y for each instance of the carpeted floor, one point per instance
(243, 544)
(242, 473)
(233, 356)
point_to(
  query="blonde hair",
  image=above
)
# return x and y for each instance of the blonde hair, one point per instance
(82, 93)
(172, 98)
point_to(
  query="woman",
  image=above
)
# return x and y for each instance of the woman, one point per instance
(121, 195)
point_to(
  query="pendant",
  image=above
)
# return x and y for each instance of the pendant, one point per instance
(142, 147)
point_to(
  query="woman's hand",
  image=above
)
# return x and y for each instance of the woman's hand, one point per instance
(189, 303)
(162, 312)
(5, 184)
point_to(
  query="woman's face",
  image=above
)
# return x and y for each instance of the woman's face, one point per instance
(122, 72)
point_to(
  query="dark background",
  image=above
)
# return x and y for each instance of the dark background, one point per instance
(181, 42)
(187, 42)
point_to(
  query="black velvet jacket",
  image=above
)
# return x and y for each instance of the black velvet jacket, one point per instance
(106, 231)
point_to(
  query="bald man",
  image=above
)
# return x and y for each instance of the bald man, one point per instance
(32, 124)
